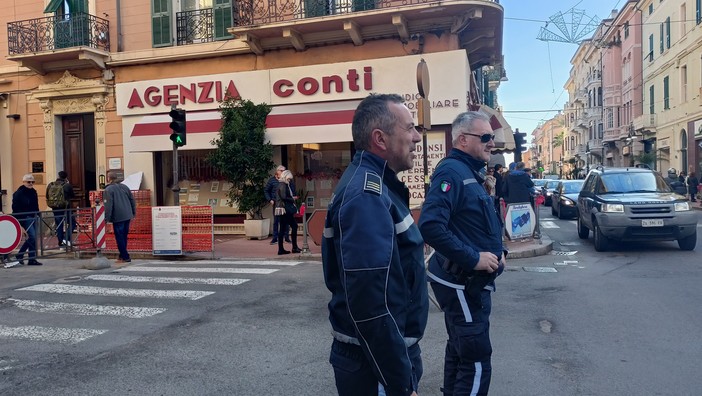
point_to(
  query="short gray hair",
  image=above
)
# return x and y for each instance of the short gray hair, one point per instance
(464, 123)
(280, 168)
(373, 112)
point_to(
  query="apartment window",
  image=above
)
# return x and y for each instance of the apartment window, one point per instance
(161, 22)
(651, 102)
(222, 14)
(662, 37)
(650, 47)
(666, 93)
(650, 8)
(698, 11)
(667, 32)
(626, 29)
(683, 84)
(610, 119)
(683, 20)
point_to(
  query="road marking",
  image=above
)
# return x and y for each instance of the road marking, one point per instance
(116, 292)
(549, 224)
(571, 243)
(86, 309)
(563, 253)
(50, 334)
(243, 262)
(155, 279)
(200, 270)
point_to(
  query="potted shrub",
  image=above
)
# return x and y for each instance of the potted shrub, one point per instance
(244, 157)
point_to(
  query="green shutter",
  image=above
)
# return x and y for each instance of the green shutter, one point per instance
(161, 23)
(667, 32)
(222, 19)
(662, 38)
(651, 99)
(78, 6)
(53, 6)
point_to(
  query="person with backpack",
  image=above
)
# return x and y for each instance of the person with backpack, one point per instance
(58, 197)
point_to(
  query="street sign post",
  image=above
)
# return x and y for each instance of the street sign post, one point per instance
(10, 234)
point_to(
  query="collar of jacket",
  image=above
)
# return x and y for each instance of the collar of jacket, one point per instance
(472, 163)
(380, 165)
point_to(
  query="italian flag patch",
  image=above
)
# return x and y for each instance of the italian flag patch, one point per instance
(445, 186)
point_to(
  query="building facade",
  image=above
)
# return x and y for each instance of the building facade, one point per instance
(91, 83)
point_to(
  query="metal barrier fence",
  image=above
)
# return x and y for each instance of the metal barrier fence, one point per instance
(80, 237)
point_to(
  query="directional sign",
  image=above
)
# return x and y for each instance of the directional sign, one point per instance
(10, 234)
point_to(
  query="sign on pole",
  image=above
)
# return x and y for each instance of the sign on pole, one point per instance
(167, 230)
(10, 234)
(520, 221)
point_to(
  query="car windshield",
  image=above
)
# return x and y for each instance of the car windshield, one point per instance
(539, 182)
(572, 187)
(629, 182)
(552, 184)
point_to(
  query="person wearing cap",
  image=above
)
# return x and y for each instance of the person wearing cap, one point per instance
(120, 209)
(25, 208)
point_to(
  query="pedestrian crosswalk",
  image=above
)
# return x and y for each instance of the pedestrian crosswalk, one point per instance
(136, 292)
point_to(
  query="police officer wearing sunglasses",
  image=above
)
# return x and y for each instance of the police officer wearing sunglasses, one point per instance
(459, 221)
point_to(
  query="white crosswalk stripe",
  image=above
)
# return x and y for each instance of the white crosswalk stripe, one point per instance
(231, 262)
(116, 292)
(174, 280)
(86, 309)
(200, 270)
(50, 334)
(549, 224)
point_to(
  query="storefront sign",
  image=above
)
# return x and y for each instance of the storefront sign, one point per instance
(167, 229)
(626, 150)
(414, 178)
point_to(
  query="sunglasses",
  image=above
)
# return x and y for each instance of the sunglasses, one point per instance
(484, 138)
(28, 181)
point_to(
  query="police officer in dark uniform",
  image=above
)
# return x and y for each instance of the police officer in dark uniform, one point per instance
(459, 221)
(373, 258)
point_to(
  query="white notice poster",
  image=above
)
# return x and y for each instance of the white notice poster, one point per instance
(167, 229)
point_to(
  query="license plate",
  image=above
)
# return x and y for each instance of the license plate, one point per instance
(652, 223)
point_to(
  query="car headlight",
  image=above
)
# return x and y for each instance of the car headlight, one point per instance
(682, 206)
(567, 202)
(548, 193)
(612, 208)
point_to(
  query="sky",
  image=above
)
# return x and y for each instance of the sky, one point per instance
(537, 70)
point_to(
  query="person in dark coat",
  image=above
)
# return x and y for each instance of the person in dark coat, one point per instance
(120, 209)
(25, 208)
(285, 200)
(692, 183)
(60, 213)
(270, 191)
(499, 181)
(518, 186)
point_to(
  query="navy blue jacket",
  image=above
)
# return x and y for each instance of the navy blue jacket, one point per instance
(373, 258)
(458, 216)
(270, 191)
(518, 187)
(25, 200)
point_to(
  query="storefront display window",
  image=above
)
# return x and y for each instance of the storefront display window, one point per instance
(320, 166)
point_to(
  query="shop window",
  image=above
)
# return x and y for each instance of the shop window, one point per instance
(323, 165)
(193, 165)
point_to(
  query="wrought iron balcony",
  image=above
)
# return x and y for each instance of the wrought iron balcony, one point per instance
(256, 12)
(195, 26)
(57, 32)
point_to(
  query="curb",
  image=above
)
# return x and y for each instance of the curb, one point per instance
(544, 248)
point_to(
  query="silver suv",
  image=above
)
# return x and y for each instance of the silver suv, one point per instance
(633, 204)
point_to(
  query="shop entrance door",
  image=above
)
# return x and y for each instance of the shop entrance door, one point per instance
(79, 156)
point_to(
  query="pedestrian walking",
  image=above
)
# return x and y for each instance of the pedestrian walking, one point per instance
(120, 209)
(459, 221)
(58, 197)
(25, 208)
(692, 183)
(518, 185)
(373, 258)
(286, 211)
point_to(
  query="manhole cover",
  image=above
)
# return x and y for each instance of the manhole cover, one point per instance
(539, 269)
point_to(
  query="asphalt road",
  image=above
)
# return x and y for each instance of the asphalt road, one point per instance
(624, 322)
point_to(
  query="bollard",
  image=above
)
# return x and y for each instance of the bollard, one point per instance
(305, 244)
(99, 262)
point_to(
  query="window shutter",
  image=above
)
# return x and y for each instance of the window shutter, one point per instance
(662, 33)
(161, 23)
(222, 19)
(667, 32)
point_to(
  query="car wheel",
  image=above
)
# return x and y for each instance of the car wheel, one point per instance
(688, 243)
(553, 211)
(583, 232)
(601, 241)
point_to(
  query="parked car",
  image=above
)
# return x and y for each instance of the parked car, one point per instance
(633, 204)
(547, 190)
(565, 197)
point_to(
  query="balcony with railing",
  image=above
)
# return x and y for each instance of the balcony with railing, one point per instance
(275, 24)
(69, 41)
(611, 135)
(645, 121)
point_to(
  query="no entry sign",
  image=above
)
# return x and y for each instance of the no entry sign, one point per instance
(10, 234)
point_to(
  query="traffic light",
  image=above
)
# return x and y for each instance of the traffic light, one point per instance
(177, 125)
(520, 141)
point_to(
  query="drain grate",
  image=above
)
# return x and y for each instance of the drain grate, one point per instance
(563, 252)
(539, 269)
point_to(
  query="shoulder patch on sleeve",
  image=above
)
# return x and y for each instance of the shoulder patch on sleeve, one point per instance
(372, 184)
(445, 186)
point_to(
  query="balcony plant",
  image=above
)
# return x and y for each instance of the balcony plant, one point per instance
(244, 156)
